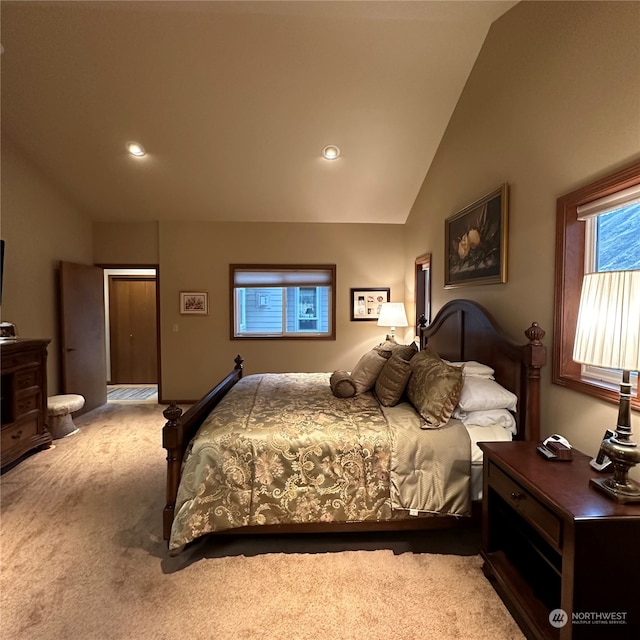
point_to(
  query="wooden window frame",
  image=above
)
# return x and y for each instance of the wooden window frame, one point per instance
(570, 260)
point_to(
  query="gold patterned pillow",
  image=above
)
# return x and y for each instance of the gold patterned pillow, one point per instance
(434, 388)
(392, 380)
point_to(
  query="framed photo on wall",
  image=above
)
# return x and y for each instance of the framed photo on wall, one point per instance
(476, 242)
(365, 303)
(194, 303)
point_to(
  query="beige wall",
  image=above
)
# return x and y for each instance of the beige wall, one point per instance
(553, 102)
(195, 256)
(139, 245)
(41, 227)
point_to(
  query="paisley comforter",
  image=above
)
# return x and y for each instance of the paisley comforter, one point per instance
(281, 448)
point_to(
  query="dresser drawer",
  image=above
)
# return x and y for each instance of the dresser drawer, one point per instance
(17, 435)
(25, 402)
(531, 509)
(25, 379)
(22, 359)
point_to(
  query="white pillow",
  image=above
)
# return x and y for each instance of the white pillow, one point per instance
(482, 394)
(491, 418)
(475, 369)
(366, 372)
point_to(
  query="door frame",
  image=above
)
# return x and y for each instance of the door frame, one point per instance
(130, 269)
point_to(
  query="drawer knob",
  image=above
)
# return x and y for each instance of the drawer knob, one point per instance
(516, 495)
(16, 436)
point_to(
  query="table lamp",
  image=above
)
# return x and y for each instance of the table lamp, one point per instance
(608, 336)
(392, 314)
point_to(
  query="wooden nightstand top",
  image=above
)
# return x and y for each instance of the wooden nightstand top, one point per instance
(563, 485)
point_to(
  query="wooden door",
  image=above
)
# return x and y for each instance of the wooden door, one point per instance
(83, 333)
(132, 330)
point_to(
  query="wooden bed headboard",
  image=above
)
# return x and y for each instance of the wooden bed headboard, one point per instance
(464, 330)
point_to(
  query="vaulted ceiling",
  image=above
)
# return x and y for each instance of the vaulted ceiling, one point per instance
(234, 102)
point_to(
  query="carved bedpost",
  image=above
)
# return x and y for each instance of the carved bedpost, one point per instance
(239, 360)
(422, 325)
(535, 359)
(172, 442)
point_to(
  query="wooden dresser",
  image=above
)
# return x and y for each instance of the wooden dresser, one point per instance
(24, 397)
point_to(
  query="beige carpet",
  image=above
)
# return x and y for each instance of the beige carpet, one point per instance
(82, 558)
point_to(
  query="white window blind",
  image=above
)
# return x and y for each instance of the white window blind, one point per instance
(609, 203)
(282, 278)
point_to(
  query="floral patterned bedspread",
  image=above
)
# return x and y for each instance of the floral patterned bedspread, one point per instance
(281, 448)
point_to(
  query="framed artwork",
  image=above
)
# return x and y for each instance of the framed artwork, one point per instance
(365, 303)
(476, 242)
(195, 303)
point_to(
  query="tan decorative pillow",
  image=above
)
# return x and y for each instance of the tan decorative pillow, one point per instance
(342, 385)
(434, 388)
(392, 380)
(405, 351)
(389, 347)
(386, 348)
(365, 373)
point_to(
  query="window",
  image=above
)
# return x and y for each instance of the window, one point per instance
(597, 229)
(612, 243)
(276, 301)
(613, 238)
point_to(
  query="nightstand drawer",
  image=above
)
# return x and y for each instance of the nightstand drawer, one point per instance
(532, 510)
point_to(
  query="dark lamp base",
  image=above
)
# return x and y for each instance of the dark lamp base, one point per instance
(622, 493)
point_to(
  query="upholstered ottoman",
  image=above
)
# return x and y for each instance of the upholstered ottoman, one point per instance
(60, 409)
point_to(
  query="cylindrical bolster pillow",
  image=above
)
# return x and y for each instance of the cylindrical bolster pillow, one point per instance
(342, 385)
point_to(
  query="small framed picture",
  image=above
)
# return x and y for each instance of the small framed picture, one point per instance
(194, 303)
(365, 303)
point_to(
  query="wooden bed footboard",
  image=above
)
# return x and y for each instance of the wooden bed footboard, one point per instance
(180, 429)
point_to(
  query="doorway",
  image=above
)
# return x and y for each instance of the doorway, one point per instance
(131, 318)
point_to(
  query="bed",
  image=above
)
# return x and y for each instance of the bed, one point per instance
(283, 453)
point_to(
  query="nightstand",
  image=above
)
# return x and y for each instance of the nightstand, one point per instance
(550, 541)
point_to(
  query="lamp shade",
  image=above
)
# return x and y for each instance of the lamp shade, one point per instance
(392, 314)
(608, 329)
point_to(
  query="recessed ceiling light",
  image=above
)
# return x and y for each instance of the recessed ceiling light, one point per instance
(330, 152)
(135, 149)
